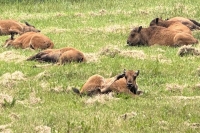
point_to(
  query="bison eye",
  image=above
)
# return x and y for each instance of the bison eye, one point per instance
(132, 35)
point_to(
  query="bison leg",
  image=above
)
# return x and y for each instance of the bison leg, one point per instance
(181, 39)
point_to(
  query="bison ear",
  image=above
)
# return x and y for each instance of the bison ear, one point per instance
(137, 72)
(139, 29)
(157, 19)
(27, 24)
(124, 71)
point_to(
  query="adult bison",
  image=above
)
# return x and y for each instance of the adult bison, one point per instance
(190, 23)
(30, 40)
(60, 56)
(10, 27)
(123, 83)
(159, 35)
(172, 25)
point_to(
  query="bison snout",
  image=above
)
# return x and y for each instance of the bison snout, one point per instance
(129, 84)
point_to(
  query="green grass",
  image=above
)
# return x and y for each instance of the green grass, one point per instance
(90, 25)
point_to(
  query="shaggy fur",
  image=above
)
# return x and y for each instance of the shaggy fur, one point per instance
(123, 83)
(11, 27)
(30, 40)
(60, 56)
(171, 25)
(159, 35)
(190, 23)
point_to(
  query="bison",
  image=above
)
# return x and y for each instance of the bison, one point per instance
(159, 35)
(123, 83)
(60, 56)
(11, 27)
(30, 40)
(190, 23)
(172, 25)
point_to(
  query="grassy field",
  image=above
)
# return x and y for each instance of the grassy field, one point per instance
(38, 96)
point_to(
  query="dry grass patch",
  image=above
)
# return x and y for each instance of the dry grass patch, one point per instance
(5, 97)
(114, 50)
(102, 98)
(175, 87)
(188, 50)
(186, 98)
(55, 30)
(192, 125)
(91, 57)
(12, 56)
(128, 116)
(10, 79)
(5, 129)
(162, 59)
(43, 129)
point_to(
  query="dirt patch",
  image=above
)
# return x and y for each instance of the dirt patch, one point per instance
(100, 98)
(138, 54)
(43, 129)
(12, 56)
(10, 79)
(188, 50)
(42, 74)
(33, 99)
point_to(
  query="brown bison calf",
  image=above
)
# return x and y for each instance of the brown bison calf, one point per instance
(11, 27)
(60, 56)
(30, 40)
(190, 23)
(171, 25)
(123, 83)
(159, 35)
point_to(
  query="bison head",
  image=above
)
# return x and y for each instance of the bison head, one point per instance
(130, 77)
(135, 37)
(29, 28)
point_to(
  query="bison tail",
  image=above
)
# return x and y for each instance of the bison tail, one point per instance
(31, 58)
(195, 22)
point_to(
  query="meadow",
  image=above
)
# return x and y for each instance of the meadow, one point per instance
(37, 97)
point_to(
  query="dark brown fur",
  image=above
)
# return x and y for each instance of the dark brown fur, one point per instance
(123, 83)
(159, 35)
(30, 40)
(171, 25)
(61, 56)
(8, 27)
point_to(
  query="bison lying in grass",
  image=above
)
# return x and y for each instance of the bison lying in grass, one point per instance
(171, 25)
(159, 35)
(30, 40)
(123, 83)
(11, 27)
(60, 56)
(190, 23)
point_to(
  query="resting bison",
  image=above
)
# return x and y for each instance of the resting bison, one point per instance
(123, 83)
(10, 27)
(190, 23)
(30, 40)
(171, 25)
(159, 35)
(60, 56)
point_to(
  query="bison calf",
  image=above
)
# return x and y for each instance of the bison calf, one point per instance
(171, 25)
(123, 83)
(159, 35)
(190, 23)
(60, 56)
(30, 40)
(11, 27)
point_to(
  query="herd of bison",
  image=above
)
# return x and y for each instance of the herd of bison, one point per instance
(172, 32)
